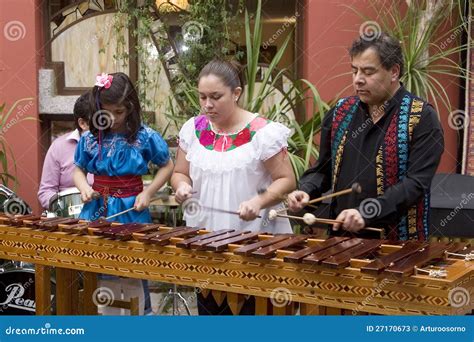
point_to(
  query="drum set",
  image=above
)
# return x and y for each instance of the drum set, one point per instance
(17, 279)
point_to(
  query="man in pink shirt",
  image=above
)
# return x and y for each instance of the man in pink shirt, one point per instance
(59, 161)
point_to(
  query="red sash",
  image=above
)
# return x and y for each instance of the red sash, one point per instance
(117, 186)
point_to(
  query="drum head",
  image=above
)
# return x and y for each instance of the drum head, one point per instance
(66, 203)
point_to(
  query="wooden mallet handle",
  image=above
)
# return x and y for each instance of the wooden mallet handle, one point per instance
(356, 188)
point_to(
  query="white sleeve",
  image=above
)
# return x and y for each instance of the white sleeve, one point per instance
(271, 139)
(186, 135)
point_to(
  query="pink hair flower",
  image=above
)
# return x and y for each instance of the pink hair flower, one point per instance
(104, 80)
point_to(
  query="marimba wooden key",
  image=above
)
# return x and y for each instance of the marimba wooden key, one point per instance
(343, 259)
(379, 264)
(298, 256)
(249, 249)
(164, 239)
(201, 238)
(222, 245)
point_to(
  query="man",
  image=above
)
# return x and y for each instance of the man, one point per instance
(384, 138)
(59, 161)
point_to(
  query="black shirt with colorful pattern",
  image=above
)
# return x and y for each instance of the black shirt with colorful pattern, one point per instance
(364, 143)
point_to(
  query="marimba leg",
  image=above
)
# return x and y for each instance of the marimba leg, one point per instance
(67, 289)
(235, 301)
(261, 306)
(43, 289)
(312, 309)
(285, 310)
(90, 285)
(219, 296)
(330, 311)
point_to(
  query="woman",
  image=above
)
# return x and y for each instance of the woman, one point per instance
(231, 160)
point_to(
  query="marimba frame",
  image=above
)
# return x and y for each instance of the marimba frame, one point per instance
(312, 285)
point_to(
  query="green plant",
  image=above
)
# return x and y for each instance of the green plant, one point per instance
(203, 35)
(137, 19)
(428, 55)
(6, 122)
(213, 20)
(263, 82)
(213, 25)
(301, 147)
(214, 40)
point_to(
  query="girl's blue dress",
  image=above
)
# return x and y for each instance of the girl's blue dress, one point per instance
(119, 158)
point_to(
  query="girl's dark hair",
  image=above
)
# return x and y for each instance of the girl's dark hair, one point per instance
(121, 92)
(230, 72)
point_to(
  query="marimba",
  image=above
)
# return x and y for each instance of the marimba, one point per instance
(335, 276)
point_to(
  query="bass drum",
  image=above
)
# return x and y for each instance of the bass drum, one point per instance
(17, 292)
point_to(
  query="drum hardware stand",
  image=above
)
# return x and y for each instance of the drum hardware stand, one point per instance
(51, 214)
(173, 292)
(14, 265)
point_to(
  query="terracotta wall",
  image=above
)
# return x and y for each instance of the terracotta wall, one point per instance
(470, 115)
(20, 58)
(329, 28)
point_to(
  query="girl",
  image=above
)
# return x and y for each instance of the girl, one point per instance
(117, 151)
(225, 156)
